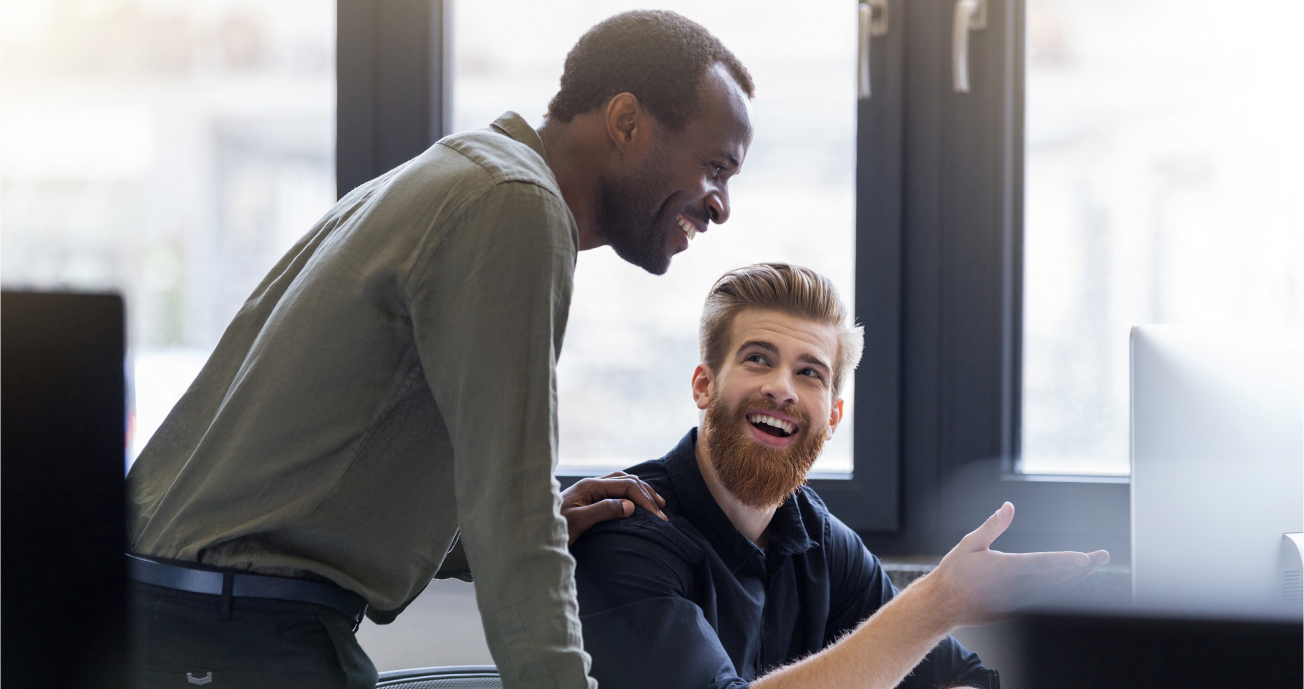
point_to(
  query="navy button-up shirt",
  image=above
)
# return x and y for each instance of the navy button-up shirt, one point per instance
(693, 603)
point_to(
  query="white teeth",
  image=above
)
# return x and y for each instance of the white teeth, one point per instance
(689, 228)
(771, 421)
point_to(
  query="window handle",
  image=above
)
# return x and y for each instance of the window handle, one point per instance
(872, 22)
(970, 15)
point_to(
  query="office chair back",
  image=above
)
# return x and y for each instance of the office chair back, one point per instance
(452, 677)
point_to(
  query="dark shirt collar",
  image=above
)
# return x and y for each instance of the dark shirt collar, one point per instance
(515, 126)
(788, 534)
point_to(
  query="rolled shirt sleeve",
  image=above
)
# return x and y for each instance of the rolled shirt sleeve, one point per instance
(489, 313)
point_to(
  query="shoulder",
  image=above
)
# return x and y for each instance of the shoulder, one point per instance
(481, 174)
(632, 559)
(502, 158)
(654, 473)
(643, 531)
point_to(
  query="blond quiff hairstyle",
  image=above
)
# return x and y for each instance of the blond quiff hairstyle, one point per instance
(785, 288)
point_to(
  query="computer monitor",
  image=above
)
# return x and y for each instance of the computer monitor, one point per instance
(62, 517)
(1217, 470)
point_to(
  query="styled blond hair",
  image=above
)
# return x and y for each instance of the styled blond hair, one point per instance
(785, 288)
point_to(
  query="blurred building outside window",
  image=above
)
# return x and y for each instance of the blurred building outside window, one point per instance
(1163, 176)
(169, 150)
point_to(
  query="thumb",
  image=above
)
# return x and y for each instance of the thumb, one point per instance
(981, 538)
(580, 519)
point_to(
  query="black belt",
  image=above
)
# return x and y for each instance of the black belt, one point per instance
(229, 583)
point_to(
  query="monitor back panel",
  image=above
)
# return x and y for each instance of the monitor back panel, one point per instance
(1217, 467)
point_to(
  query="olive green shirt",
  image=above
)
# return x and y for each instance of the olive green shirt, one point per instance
(392, 379)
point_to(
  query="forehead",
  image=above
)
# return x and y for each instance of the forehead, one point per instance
(724, 121)
(792, 335)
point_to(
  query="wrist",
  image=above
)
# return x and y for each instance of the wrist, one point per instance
(935, 603)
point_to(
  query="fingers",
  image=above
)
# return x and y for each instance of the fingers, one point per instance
(982, 537)
(1032, 563)
(660, 501)
(1045, 587)
(581, 518)
(646, 488)
(621, 485)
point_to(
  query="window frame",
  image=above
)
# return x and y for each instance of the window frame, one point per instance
(961, 306)
(939, 198)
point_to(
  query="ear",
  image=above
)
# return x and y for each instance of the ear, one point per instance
(703, 380)
(627, 125)
(835, 417)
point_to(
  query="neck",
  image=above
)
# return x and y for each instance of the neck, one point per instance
(750, 521)
(576, 165)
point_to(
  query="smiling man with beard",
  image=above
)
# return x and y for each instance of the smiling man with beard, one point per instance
(753, 582)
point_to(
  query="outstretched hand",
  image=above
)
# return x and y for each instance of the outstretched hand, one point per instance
(593, 500)
(981, 585)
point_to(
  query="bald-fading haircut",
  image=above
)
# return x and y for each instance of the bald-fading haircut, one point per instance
(785, 288)
(661, 57)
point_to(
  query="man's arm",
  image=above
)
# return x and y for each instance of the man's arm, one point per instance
(489, 312)
(859, 587)
(973, 585)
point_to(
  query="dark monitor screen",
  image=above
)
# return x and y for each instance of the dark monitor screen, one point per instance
(62, 524)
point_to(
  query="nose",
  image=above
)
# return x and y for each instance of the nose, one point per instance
(717, 205)
(779, 388)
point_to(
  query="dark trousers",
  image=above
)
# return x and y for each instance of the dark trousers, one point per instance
(183, 639)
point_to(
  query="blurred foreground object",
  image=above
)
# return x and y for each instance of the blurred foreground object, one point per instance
(63, 529)
(1072, 652)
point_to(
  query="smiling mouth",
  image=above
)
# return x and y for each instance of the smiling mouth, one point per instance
(772, 426)
(689, 228)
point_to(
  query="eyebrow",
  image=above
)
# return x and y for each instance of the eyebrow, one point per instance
(769, 347)
(730, 158)
(812, 359)
(762, 344)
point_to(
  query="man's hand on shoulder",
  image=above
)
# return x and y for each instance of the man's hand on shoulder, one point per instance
(613, 496)
(977, 585)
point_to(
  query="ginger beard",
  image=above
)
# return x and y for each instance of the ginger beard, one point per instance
(760, 477)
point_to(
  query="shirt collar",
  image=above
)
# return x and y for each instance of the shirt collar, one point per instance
(515, 126)
(788, 535)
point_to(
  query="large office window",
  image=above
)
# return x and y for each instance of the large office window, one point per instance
(168, 150)
(631, 340)
(1163, 178)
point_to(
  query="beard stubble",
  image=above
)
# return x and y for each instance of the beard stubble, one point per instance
(759, 476)
(628, 212)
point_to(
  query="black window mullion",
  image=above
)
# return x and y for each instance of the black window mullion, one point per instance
(962, 314)
(391, 84)
(871, 500)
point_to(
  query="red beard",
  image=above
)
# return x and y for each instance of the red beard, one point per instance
(760, 477)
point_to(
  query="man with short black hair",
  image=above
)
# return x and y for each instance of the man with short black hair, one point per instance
(752, 582)
(699, 131)
(392, 381)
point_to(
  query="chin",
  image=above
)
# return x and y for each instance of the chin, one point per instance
(659, 269)
(656, 265)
